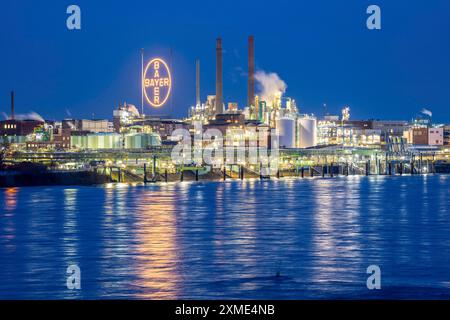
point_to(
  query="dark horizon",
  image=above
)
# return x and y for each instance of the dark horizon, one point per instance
(323, 51)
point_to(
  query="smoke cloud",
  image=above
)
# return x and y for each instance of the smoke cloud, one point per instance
(132, 108)
(427, 112)
(27, 116)
(71, 125)
(269, 85)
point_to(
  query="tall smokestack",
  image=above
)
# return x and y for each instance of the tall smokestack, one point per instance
(219, 87)
(251, 73)
(12, 105)
(197, 82)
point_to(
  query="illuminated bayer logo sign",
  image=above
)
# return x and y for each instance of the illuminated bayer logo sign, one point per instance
(157, 82)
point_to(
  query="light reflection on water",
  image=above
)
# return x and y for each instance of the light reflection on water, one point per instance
(229, 239)
(156, 248)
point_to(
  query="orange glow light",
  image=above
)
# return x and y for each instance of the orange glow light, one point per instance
(157, 82)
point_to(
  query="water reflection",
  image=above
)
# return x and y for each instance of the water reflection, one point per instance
(310, 238)
(325, 246)
(156, 246)
(10, 199)
(7, 224)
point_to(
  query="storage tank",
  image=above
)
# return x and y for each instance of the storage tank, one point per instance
(142, 140)
(286, 131)
(307, 132)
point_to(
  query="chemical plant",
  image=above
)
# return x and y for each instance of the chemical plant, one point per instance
(134, 147)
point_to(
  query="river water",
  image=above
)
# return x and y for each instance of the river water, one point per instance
(277, 239)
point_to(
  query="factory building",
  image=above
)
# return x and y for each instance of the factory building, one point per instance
(258, 132)
(327, 131)
(125, 115)
(13, 127)
(425, 136)
(332, 130)
(15, 131)
(61, 138)
(98, 125)
(390, 128)
(436, 136)
(127, 120)
(115, 141)
(447, 135)
(203, 112)
(416, 136)
(224, 122)
(237, 131)
(365, 137)
(163, 127)
(94, 125)
(40, 145)
(232, 107)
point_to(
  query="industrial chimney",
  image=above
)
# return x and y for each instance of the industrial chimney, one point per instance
(12, 105)
(219, 88)
(197, 82)
(251, 74)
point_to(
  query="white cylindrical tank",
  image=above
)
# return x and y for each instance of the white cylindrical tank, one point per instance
(307, 129)
(286, 131)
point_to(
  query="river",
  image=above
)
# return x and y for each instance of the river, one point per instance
(278, 239)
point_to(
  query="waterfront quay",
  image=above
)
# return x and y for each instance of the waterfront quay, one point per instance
(156, 165)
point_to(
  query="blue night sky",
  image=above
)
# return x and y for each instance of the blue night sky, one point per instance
(321, 49)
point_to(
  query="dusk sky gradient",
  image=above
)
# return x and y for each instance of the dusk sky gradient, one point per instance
(321, 49)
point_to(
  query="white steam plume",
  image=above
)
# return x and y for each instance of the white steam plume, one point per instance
(27, 116)
(132, 108)
(270, 85)
(71, 125)
(427, 112)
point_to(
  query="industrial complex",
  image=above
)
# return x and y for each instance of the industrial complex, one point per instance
(133, 146)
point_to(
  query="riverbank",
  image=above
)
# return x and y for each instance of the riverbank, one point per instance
(50, 178)
(10, 179)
